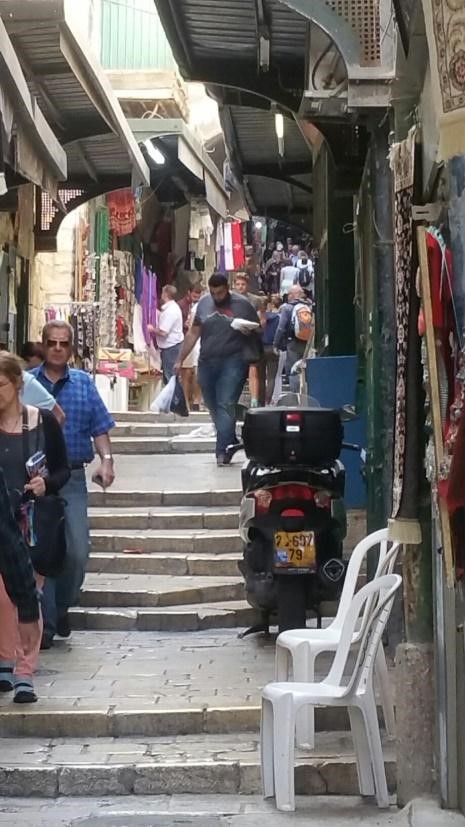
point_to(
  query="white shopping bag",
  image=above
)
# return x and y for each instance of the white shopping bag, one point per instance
(162, 402)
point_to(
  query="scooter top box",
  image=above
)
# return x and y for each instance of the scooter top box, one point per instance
(283, 436)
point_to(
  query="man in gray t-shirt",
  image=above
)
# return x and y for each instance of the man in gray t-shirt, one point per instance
(222, 367)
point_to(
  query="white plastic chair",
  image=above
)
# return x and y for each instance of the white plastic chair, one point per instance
(301, 647)
(281, 702)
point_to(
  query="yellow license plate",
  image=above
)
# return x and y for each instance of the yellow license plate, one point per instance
(295, 549)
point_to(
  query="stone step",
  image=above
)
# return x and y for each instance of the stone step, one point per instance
(229, 614)
(204, 565)
(214, 542)
(195, 418)
(164, 518)
(187, 764)
(136, 445)
(160, 429)
(167, 499)
(207, 810)
(139, 590)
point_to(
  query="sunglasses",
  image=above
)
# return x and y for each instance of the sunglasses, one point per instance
(57, 342)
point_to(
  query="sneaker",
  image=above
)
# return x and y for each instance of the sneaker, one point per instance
(6, 686)
(25, 696)
(63, 625)
(224, 459)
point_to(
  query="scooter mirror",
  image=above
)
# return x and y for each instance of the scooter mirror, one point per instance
(348, 413)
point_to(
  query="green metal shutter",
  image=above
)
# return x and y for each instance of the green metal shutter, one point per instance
(132, 37)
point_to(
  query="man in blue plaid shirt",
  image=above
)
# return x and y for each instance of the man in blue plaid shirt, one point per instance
(87, 424)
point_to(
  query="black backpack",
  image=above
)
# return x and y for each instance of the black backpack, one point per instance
(305, 278)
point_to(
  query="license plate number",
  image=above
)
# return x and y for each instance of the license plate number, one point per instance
(295, 549)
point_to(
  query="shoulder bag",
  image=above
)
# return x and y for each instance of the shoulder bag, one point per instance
(43, 521)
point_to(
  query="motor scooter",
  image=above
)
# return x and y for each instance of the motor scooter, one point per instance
(292, 515)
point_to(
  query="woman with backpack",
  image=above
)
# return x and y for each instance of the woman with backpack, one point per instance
(295, 330)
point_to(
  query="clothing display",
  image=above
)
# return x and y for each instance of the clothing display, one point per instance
(228, 247)
(404, 525)
(149, 302)
(107, 329)
(84, 318)
(122, 210)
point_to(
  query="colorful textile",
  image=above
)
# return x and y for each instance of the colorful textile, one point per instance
(122, 209)
(406, 459)
(238, 245)
(149, 303)
(228, 247)
(445, 28)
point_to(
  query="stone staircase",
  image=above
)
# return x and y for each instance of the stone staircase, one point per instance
(154, 693)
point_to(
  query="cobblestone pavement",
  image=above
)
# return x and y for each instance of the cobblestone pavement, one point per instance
(193, 811)
(132, 670)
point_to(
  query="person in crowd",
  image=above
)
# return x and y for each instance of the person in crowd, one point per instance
(17, 579)
(42, 433)
(257, 370)
(32, 354)
(169, 333)
(187, 302)
(268, 254)
(295, 330)
(272, 274)
(33, 393)
(270, 355)
(222, 364)
(288, 277)
(189, 369)
(306, 277)
(294, 255)
(87, 420)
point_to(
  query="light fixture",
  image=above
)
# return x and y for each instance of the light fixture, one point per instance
(279, 124)
(258, 225)
(154, 152)
(279, 127)
(264, 52)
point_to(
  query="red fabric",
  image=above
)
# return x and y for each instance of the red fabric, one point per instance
(440, 292)
(122, 209)
(238, 245)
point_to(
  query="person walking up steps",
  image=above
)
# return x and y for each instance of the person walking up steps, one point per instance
(223, 364)
(295, 330)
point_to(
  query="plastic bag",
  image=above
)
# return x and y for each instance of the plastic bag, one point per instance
(162, 402)
(178, 400)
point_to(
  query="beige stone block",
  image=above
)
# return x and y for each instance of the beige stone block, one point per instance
(96, 780)
(197, 779)
(28, 782)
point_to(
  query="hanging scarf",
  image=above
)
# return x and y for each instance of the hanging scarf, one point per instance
(228, 247)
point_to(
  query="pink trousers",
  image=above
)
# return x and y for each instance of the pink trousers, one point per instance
(12, 648)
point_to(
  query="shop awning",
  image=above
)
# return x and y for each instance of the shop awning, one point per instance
(276, 181)
(38, 156)
(185, 160)
(74, 94)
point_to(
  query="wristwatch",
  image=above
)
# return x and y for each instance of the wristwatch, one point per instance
(108, 457)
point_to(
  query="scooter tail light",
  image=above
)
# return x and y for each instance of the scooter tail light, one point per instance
(293, 418)
(323, 499)
(263, 500)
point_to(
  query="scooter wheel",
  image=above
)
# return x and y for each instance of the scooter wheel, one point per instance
(292, 594)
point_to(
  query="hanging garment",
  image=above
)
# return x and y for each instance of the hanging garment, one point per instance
(149, 304)
(140, 345)
(407, 457)
(228, 247)
(238, 245)
(122, 209)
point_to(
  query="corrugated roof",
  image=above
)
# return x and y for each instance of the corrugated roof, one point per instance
(70, 86)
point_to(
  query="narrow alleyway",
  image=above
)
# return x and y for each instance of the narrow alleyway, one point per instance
(157, 695)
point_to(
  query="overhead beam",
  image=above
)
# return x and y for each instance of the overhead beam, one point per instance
(244, 78)
(88, 166)
(274, 170)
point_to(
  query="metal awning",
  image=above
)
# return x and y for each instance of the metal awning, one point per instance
(39, 156)
(73, 92)
(187, 159)
(274, 185)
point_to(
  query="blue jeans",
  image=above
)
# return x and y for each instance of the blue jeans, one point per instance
(221, 382)
(63, 592)
(169, 357)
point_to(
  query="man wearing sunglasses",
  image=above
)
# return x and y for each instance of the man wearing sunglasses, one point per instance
(87, 424)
